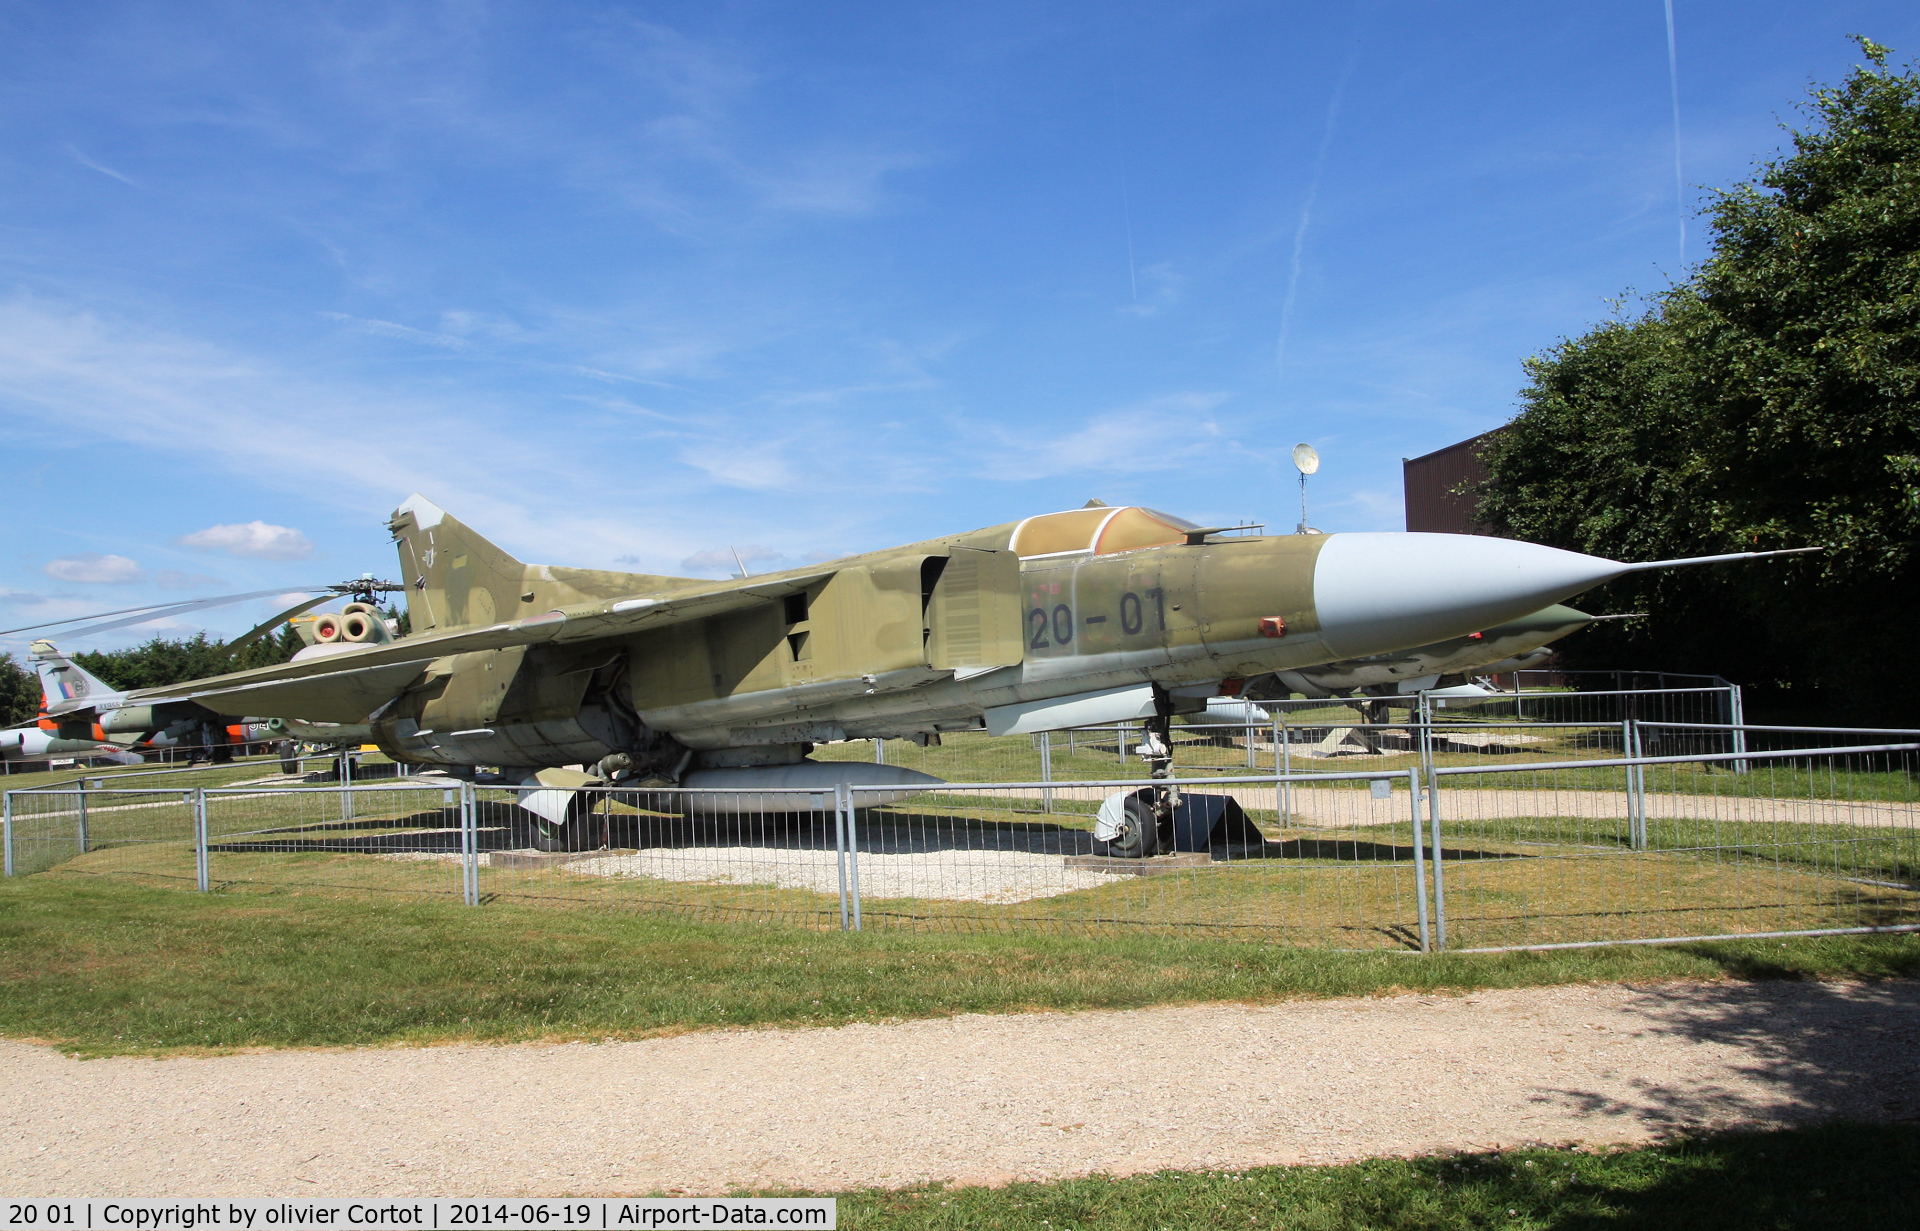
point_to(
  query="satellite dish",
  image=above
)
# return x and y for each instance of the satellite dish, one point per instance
(1305, 459)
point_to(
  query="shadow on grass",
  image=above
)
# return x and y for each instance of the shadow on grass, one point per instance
(1353, 850)
(880, 832)
(1836, 1175)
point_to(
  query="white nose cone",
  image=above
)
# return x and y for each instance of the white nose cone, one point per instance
(1381, 592)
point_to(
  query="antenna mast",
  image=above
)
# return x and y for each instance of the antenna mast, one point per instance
(1306, 460)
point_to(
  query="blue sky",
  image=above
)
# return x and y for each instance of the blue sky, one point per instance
(635, 285)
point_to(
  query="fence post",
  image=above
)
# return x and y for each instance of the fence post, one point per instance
(346, 783)
(469, 847)
(1419, 860)
(1439, 864)
(1124, 733)
(840, 793)
(879, 750)
(200, 869)
(1737, 714)
(1426, 741)
(81, 823)
(6, 828)
(1046, 770)
(853, 854)
(1626, 752)
(1636, 802)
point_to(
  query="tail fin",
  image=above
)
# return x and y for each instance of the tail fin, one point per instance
(64, 686)
(454, 577)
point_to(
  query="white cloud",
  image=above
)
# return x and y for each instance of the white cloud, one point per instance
(254, 540)
(25, 597)
(1157, 288)
(173, 579)
(405, 333)
(91, 566)
(755, 467)
(1162, 434)
(720, 559)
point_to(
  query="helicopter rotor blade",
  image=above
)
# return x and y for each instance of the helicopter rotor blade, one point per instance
(158, 611)
(262, 629)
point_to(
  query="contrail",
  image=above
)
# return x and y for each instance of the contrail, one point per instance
(1306, 212)
(1679, 184)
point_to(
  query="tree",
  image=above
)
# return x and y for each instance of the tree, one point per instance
(1770, 400)
(163, 661)
(19, 693)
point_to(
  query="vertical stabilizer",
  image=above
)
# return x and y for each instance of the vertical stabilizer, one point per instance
(454, 577)
(64, 686)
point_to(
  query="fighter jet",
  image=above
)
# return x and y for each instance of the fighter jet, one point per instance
(34, 743)
(78, 707)
(82, 715)
(1065, 619)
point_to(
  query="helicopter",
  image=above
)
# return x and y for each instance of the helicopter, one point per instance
(82, 715)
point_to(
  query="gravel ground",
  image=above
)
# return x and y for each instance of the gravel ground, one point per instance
(972, 1099)
(956, 876)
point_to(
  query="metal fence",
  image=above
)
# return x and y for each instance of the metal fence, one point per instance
(1439, 850)
(1282, 737)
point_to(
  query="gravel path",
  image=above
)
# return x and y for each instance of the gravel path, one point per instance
(1342, 807)
(958, 876)
(974, 1099)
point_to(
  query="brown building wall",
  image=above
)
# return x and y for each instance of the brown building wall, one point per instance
(1429, 483)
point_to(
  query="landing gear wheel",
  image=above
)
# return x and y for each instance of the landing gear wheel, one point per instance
(1139, 836)
(585, 829)
(289, 757)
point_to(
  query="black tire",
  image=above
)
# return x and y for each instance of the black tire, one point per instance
(1139, 836)
(584, 830)
(289, 757)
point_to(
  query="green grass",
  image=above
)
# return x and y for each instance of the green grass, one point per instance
(1091, 757)
(104, 967)
(1858, 1177)
(1836, 850)
(1520, 880)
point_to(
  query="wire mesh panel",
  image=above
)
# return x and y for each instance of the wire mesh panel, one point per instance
(764, 855)
(1824, 835)
(147, 834)
(1717, 703)
(396, 838)
(1322, 861)
(1663, 847)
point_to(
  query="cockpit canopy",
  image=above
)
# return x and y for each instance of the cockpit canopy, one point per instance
(1098, 531)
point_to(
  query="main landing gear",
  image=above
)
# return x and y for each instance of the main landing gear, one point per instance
(1145, 822)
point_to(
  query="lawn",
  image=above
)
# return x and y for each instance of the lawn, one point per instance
(1856, 1177)
(1337, 869)
(102, 966)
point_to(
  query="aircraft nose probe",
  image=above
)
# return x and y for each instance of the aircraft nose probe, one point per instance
(1375, 591)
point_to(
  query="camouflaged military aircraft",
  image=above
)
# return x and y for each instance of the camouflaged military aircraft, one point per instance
(1371, 683)
(1090, 615)
(77, 707)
